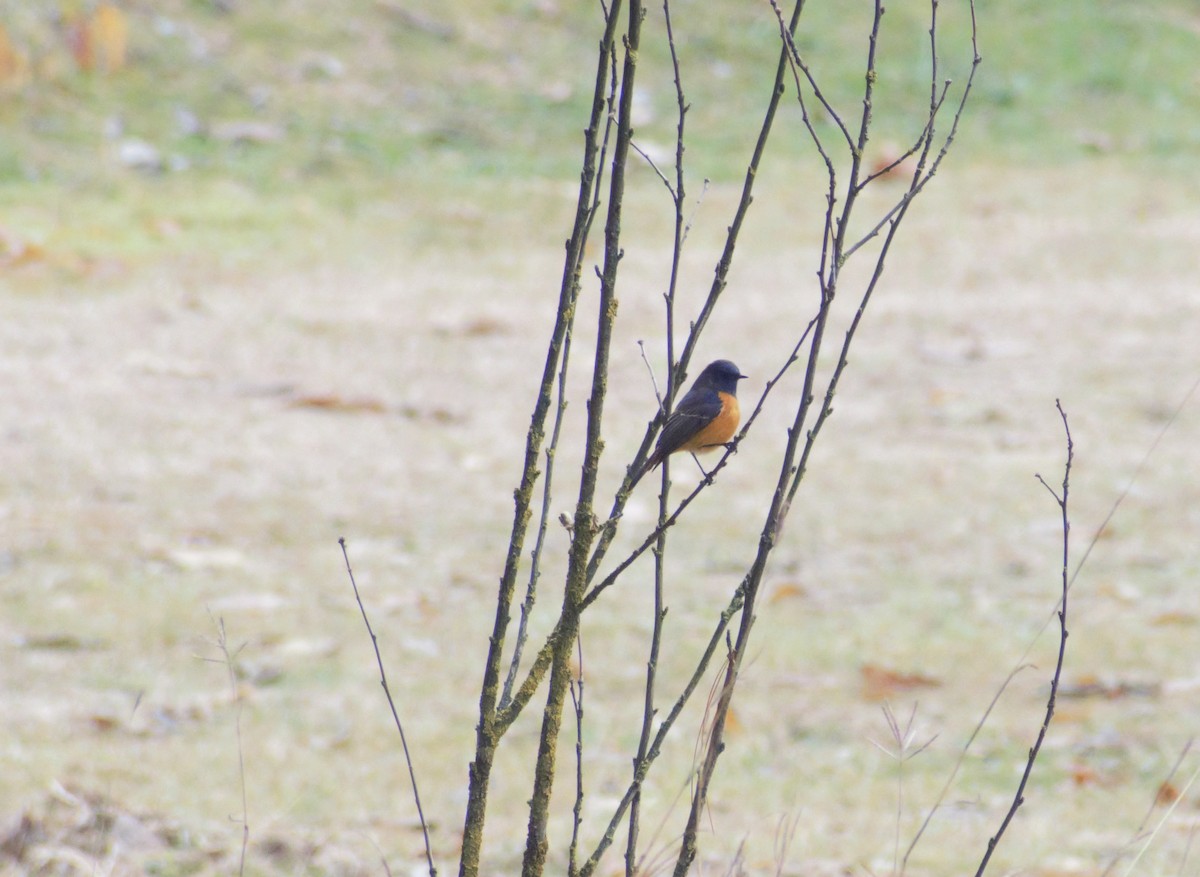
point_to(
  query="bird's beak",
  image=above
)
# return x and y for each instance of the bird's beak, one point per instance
(743, 377)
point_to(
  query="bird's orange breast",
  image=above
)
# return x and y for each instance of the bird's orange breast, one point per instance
(719, 430)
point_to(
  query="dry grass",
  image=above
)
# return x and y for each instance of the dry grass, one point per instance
(192, 439)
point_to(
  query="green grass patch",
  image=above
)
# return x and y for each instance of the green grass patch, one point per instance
(269, 117)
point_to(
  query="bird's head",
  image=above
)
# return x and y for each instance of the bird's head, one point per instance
(722, 375)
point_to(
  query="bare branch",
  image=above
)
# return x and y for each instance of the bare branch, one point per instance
(667, 723)
(798, 60)
(654, 167)
(577, 809)
(487, 734)
(1062, 500)
(387, 693)
(535, 563)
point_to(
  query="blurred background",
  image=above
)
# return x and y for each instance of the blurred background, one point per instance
(178, 127)
(275, 273)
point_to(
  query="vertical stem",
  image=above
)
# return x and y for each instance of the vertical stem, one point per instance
(720, 275)
(716, 740)
(648, 709)
(577, 811)
(660, 612)
(537, 843)
(487, 735)
(1062, 500)
(535, 562)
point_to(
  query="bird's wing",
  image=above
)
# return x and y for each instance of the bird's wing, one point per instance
(695, 411)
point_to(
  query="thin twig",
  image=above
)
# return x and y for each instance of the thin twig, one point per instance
(1099, 531)
(387, 692)
(696, 209)
(785, 834)
(902, 752)
(535, 563)
(792, 55)
(1187, 849)
(720, 278)
(840, 254)
(798, 60)
(678, 196)
(656, 854)
(1062, 500)
(1166, 782)
(1158, 827)
(585, 528)
(664, 727)
(962, 755)
(650, 371)
(577, 808)
(654, 167)
(737, 865)
(228, 661)
(1139, 832)
(595, 147)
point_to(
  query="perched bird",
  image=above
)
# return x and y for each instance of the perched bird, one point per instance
(706, 418)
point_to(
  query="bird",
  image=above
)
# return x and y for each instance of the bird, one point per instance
(705, 418)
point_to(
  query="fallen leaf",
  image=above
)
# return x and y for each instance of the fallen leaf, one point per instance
(787, 591)
(104, 724)
(14, 64)
(15, 251)
(437, 415)
(1167, 794)
(879, 683)
(1078, 713)
(483, 326)
(334, 402)
(96, 268)
(1082, 775)
(1109, 689)
(63, 642)
(1182, 619)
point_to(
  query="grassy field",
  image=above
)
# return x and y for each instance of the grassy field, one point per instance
(271, 123)
(319, 312)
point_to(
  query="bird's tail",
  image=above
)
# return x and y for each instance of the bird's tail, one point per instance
(652, 462)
